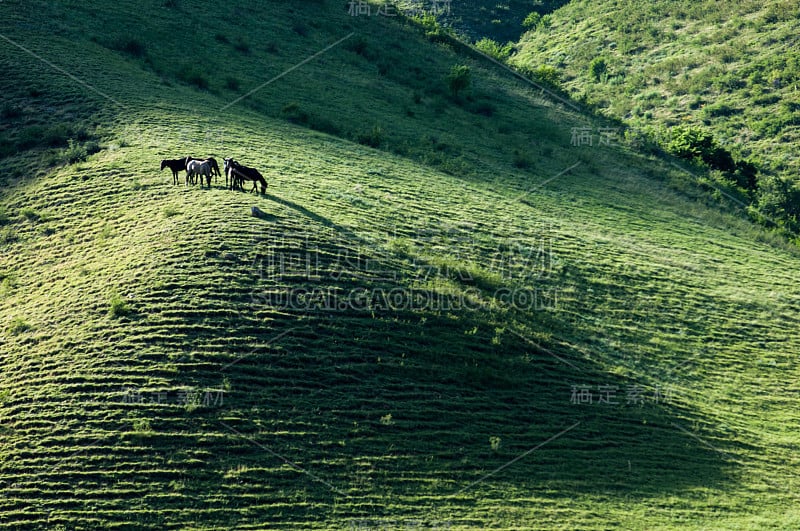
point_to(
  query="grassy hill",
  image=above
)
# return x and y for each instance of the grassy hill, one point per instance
(729, 67)
(449, 316)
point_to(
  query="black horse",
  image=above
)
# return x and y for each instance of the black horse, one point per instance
(238, 174)
(175, 165)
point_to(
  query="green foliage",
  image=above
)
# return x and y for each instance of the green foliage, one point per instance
(532, 20)
(130, 46)
(373, 138)
(8, 235)
(30, 214)
(459, 79)
(193, 75)
(56, 135)
(141, 426)
(546, 74)
(495, 50)
(696, 144)
(545, 23)
(118, 306)
(598, 68)
(79, 151)
(780, 200)
(293, 113)
(521, 159)
(359, 45)
(495, 443)
(171, 211)
(18, 326)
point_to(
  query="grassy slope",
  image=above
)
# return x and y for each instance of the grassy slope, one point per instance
(389, 412)
(730, 66)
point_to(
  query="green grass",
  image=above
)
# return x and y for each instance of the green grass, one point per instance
(727, 66)
(273, 372)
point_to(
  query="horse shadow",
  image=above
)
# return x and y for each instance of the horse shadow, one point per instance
(322, 220)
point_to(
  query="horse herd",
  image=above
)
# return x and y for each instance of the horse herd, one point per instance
(197, 169)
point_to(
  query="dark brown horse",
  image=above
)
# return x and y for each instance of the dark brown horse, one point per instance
(238, 174)
(175, 165)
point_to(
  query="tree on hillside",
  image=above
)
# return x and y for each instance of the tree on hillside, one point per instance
(459, 79)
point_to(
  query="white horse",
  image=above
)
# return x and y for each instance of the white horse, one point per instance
(195, 168)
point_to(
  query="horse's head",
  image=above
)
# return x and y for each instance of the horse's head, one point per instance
(163, 164)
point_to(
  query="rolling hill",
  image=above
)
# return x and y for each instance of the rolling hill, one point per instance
(730, 68)
(449, 316)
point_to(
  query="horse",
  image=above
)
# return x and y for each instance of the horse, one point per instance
(238, 174)
(175, 165)
(212, 161)
(196, 168)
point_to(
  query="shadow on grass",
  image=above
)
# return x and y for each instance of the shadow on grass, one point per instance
(380, 398)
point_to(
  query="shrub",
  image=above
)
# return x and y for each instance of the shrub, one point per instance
(778, 199)
(358, 45)
(459, 79)
(300, 28)
(242, 46)
(521, 159)
(746, 175)
(193, 76)
(532, 20)
(373, 138)
(598, 68)
(293, 113)
(693, 143)
(30, 214)
(76, 152)
(30, 137)
(494, 49)
(118, 307)
(547, 74)
(131, 47)
(8, 235)
(18, 325)
(720, 109)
